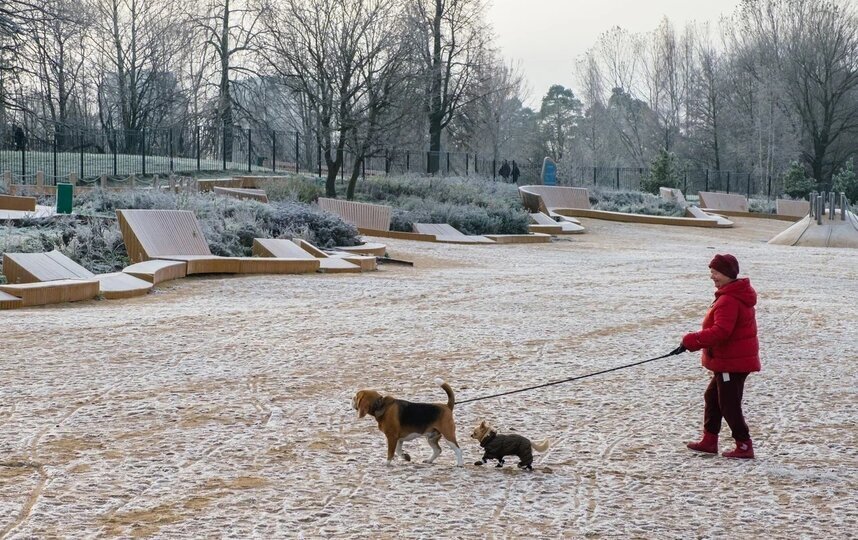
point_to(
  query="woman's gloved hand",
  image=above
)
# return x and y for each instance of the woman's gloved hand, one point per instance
(679, 350)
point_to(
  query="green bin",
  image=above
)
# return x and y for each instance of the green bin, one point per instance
(65, 195)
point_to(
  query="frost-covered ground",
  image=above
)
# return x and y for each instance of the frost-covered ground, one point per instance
(220, 407)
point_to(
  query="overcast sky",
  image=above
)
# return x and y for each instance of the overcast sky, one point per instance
(547, 35)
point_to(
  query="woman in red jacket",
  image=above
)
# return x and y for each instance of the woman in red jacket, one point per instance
(730, 348)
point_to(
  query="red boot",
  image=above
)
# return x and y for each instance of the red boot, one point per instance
(708, 444)
(744, 450)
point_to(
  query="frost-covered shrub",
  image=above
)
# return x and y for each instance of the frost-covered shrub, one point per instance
(762, 206)
(472, 205)
(663, 172)
(293, 188)
(796, 183)
(633, 202)
(846, 181)
(95, 244)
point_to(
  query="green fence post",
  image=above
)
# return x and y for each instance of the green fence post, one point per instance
(65, 196)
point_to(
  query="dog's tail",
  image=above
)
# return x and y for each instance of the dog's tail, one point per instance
(451, 398)
(540, 446)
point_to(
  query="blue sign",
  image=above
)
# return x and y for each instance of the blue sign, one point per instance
(549, 172)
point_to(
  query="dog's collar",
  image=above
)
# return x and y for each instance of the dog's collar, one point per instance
(377, 408)
(488, 438)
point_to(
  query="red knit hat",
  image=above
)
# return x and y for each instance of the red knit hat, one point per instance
(726, 264)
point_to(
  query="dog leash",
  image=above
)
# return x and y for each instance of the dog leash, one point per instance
(674, 352)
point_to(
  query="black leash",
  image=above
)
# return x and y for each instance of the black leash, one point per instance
(676, 351)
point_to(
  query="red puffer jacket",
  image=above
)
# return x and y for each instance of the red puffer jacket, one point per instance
(729, 334)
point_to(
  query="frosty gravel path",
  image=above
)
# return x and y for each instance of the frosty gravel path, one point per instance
(220, 407)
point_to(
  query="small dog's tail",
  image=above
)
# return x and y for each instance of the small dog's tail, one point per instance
(451, 398)
(540, 446)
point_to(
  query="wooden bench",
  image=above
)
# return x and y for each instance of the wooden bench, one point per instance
(730, 202)
(366, 217)
(22, 204)
(157, 271)
(242, 193)
(444, 232)
(53, 292)
(269, 247)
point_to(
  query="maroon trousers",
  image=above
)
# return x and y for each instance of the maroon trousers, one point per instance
(724, 400)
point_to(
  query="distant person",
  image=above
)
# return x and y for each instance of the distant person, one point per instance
(20, 138)
(731, 351)
(504, 170)
(515, 172)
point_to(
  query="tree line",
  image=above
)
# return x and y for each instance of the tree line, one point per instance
(775, 83)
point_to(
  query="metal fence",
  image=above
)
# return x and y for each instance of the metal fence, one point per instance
(691, 181)
(91, 153)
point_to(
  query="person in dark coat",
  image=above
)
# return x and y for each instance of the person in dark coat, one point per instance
(20, 138)
(504, 170)
(731, 351)
(515, 172)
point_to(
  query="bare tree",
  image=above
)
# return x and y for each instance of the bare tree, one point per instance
(230, 29)
(138, 42)
(327, 51)
(450, 40)
(814, 46)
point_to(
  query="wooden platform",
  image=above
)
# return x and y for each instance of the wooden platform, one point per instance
(39, 267)
(206, 264)
(533, 238)
(444, 232)
(157, 271)
(242, 193)
(332, 262)
(364, 216)
(208, 184)
(53, 292)
(695, 212)
(119, 285)
(22, 204)
(368, 248)
(731, 202)
(543, 223)
(279, 265)
(299, 249)
(643, 218)
(7, 301)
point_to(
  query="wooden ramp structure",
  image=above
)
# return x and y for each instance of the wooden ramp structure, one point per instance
(823, 226)
(575, 202)
(175, 235)
(543, 223)
(21, 204)
(48, 269)
(300, 249)
(448, 234)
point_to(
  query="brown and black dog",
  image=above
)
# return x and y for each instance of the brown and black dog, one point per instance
(498, 446)
(402, 421)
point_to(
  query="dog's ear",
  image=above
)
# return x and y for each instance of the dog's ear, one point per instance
(362, 404)
(483, 424)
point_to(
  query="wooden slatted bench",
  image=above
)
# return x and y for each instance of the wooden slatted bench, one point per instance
(53, 292)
